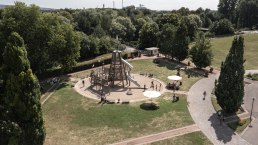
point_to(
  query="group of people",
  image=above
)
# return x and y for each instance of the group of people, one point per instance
(175, 85)
(153, 86)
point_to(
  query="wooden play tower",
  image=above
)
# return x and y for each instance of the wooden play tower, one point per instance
(117, 69)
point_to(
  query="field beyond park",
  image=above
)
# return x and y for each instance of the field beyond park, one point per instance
(221, 46)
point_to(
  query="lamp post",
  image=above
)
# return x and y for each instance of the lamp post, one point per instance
(251, 112)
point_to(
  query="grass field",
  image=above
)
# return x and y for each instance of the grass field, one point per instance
(163, 69)
(195, 138)
(221, 46)
(73, 119)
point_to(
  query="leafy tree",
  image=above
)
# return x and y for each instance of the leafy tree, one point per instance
(87, 20)
(38, 29)
(148, 35)
(197, 19)
(138, 26)
(183, 11)
(172, 19)
(181, 43)
(89, 47)
(229, 88)
(228, 9)
(201, 53)
(65, 43)
(222, 27)
(21, 96)
(248, 14)
(123, 27)
(206, 22)
(191, 25)
(166, 39)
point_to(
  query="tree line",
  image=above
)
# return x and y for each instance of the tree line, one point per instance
(60, 38)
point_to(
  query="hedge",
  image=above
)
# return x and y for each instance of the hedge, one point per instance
(106, 58)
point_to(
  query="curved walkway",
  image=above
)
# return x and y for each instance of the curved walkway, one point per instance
(251, 133)
(205, 116)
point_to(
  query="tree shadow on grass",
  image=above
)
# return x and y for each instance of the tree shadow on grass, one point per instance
(164, 62)
(223, 132)
(149, 106)
(194, 72)
(62, 85)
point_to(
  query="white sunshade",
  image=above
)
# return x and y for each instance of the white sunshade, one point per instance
(151, 94)
(175, 78)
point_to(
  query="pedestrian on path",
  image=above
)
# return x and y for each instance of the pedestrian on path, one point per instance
(204, 95)
(83, 83)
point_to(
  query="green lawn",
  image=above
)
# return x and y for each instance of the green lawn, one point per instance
(221, 46)
(163, 69)
(195, 138)
(73, 119)
(239, 128)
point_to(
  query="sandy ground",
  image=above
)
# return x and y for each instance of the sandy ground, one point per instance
(118, 92)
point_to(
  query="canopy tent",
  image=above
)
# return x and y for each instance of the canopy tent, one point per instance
(175, 78)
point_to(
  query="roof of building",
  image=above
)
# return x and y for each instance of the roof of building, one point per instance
(129, 49)
(152, 48)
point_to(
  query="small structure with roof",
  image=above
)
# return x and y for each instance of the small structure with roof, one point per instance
(152, 51)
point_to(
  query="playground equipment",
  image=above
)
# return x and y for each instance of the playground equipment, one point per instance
(119, 73)
(129, 67)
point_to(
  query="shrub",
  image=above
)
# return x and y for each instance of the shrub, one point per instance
(222, 27)
(241, 122)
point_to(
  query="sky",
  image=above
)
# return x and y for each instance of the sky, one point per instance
(150, 4)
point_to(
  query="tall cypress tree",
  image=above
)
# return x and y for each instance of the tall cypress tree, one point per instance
(229, 89)
(22, 93)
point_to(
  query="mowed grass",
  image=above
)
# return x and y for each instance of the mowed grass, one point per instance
(221, 46)
(75, 120)
(163, 69)
(195, 138)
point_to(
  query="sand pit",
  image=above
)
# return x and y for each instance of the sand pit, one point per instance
(118, 93)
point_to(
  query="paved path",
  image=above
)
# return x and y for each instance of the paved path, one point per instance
(205, 116)
(251, 133)
(160, 136)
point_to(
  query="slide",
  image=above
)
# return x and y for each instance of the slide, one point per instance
(128, 72)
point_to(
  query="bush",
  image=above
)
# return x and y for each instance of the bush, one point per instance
(222, 27)
(241, 122)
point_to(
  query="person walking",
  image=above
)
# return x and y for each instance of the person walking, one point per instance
(204, 95)
(83, 83)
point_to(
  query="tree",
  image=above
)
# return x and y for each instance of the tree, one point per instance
(21, 95)
(38, 29)
(123, 27)
(138, 26)
(222, 27)
(148, 35)
(87, 20)
(89, 47)
(166, 39)
(229, 89)
(181, 42)
(228, 9)
(201, 53)
(248, 14)
(172, 19)
(65, 47)
(191, 25)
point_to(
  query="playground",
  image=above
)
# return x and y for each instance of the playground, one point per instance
(116, 84)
